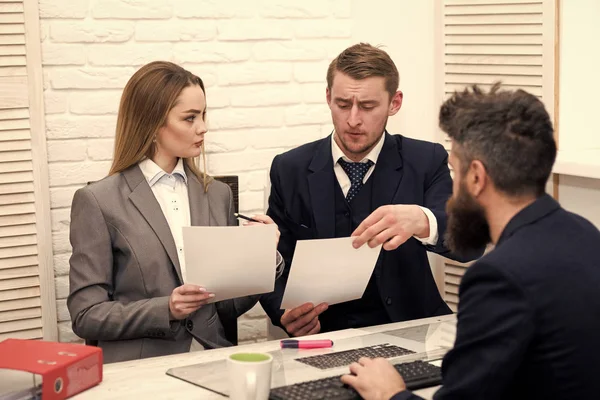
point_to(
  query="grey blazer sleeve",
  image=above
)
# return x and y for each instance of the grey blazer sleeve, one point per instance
(94, 314)
(243, 304)
(240, 304)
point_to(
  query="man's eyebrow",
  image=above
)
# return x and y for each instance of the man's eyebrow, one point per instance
(362, 103)
(368, 102)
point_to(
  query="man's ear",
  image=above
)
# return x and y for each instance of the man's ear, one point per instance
(477, 178)
(328, 96)
(396, 103)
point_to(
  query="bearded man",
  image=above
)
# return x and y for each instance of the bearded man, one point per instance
(529, 310)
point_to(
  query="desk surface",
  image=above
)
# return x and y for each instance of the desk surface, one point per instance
(147, 378)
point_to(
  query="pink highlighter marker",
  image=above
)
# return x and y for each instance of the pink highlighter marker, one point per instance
(305, 344)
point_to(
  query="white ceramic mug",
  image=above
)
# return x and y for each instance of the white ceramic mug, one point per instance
(249, 376)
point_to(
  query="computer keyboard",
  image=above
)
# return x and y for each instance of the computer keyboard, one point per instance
(416, 374)
(343, 358)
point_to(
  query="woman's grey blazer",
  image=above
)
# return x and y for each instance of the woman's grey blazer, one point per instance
(124, 267)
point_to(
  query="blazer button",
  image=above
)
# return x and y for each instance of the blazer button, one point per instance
(189, 324)
(388, 301)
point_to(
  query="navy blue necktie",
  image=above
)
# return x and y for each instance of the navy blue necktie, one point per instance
(356, 171)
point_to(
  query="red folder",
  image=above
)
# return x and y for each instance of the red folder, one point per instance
(65, 368)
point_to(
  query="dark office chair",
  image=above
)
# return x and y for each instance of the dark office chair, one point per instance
(233, 182)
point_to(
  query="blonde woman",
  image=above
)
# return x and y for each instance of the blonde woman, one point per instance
(127, 279)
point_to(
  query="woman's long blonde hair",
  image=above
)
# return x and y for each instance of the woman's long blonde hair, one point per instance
(146, 101)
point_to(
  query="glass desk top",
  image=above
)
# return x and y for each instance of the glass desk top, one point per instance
(429, 342)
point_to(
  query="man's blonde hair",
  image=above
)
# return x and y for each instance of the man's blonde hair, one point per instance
(362, 61)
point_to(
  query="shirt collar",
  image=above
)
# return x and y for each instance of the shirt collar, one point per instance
(373, 155)
(153, 173)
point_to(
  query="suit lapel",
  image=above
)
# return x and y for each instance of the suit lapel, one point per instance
(199, 207)
(321, 186)
(200, 216)
(144, 200)
(388, 172)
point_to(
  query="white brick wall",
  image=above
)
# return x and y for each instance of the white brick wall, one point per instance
(263, 63)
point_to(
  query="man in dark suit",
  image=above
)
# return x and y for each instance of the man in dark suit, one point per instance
(361, 177)
(529, 310)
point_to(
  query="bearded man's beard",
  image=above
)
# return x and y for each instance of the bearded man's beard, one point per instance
(467, 228)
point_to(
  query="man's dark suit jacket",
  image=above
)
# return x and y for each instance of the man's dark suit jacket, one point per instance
(408, 171)
(529, 313)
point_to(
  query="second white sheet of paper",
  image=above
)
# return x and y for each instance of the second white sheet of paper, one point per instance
(328, 271)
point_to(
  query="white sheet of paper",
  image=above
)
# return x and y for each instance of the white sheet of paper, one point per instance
(328, 271)
(231, 261)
